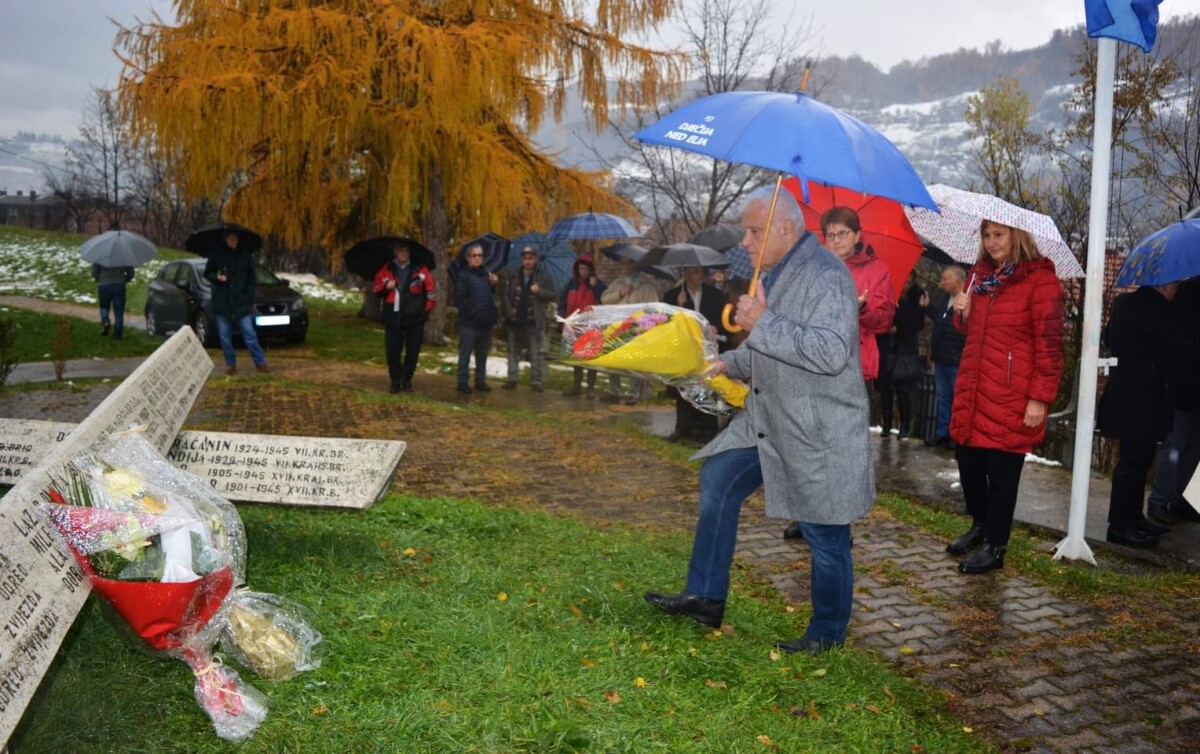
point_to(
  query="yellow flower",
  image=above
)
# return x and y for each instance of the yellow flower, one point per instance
(123, 482)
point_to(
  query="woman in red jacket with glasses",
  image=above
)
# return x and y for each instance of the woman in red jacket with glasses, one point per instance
(1011, 365)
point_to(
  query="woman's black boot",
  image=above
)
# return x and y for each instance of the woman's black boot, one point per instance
(967, 542)
(986, 558)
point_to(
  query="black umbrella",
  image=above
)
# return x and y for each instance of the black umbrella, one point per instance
(932, 252)
(634, 253)
(204, 240)
(495, 251)
(721, 237)
(683, 255)
(366, 257)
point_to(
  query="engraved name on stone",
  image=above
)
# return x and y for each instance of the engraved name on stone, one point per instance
(41, 589)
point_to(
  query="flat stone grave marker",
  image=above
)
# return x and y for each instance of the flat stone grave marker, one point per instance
(41, 588)
(305, 471)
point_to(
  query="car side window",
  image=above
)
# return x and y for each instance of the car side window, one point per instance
(184, 275)
(167, 275)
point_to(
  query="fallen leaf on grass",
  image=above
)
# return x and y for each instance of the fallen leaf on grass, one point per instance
(819, 672)
(968, 729)
(320, 709)
(640, 682)
(502, 596)
(888, 693)
(766, 741)
(790, 609)
(812, 711)
(714, 684)
(588, 662)
(575, 611)
(582, 702)
(410, 551)
(872, 708)
(693, 651)
(613, 697)
(774, 656)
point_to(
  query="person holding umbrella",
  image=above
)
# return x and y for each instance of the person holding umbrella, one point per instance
(524, 294)
(695, 294)
(1012, 361)
(582, 291)
(408, 294)
(804, 434)
(230, 270)
(474, 297)
(632, 287)
(111, 282)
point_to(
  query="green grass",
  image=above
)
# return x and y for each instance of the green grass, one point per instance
(496, 632)
(35, 334)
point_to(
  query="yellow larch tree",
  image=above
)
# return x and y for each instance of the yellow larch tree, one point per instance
(325, 121)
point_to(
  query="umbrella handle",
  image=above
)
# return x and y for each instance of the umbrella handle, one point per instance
(727, 312)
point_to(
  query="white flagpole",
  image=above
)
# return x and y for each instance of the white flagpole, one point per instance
(1074, 547)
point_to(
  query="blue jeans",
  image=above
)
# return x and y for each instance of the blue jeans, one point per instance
(473, 340)
(112, 295)
(726, 480)
(944, 377)
(225, 334)
(1177, 460)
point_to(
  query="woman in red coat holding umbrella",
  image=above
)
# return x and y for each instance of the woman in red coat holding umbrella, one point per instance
(1012, 361)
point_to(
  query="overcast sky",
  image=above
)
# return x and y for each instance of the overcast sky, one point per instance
(53, 51)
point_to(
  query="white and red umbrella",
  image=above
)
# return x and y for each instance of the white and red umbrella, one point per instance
(955, 230)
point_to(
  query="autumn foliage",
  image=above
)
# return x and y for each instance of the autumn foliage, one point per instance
(324, 121)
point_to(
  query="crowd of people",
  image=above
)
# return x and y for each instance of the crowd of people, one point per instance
(821, 334)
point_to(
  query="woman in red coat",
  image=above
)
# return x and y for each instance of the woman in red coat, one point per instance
(1011, 365)
(872, 279)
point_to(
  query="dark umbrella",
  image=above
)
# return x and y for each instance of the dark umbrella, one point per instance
(722, 236)
(592, 225)
(495, 252)
(931, 251)
(118, 248)
(683, 255)
(366, 257)
(557, 259)
(204, 240)
(634, 253)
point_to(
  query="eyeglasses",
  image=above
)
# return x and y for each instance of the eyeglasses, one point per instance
(839, 235)
(475, 255)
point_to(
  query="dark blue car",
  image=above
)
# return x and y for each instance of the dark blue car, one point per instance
(179, 295)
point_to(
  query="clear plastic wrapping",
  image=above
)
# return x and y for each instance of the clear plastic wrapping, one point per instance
(167, 553)
(657, 341)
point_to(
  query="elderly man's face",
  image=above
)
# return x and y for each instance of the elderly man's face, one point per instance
(231, 240)
(401, 254)
(475, 257)
(781, 238)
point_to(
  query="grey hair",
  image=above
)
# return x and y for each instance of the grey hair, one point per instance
(958, 272)
(786, 207)
(473, 247)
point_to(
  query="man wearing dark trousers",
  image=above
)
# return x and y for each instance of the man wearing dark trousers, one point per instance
(474, 296)
(945, 352)
(693, 293)
(407, 294)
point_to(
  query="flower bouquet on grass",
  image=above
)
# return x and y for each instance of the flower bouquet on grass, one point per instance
(165, 553)
(657, 341)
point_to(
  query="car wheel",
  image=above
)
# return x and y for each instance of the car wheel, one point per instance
(203, 328)
(151, 322)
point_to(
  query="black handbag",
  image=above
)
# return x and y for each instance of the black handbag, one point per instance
(905, 368)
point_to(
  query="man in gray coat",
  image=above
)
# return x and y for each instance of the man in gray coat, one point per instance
(803, 435)
(524, 293)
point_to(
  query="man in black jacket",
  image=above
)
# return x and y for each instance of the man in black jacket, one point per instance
(474, 296)
(693, 293)
(946, 351)
(1180, 454)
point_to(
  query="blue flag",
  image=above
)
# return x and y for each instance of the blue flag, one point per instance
(1132, 21)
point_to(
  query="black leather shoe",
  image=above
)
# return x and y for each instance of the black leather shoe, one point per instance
(805, 644)
(1151, 527)
(396, 386)
(407, 386)
(704, 611)
(793, 531)
(483, 387)
(464, 388)
(1131, 536)
(968, 541)
(1160, 515)
(986, 558)
(510, 385)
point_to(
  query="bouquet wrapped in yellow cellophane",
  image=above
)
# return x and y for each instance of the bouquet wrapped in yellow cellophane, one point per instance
(658, 341)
